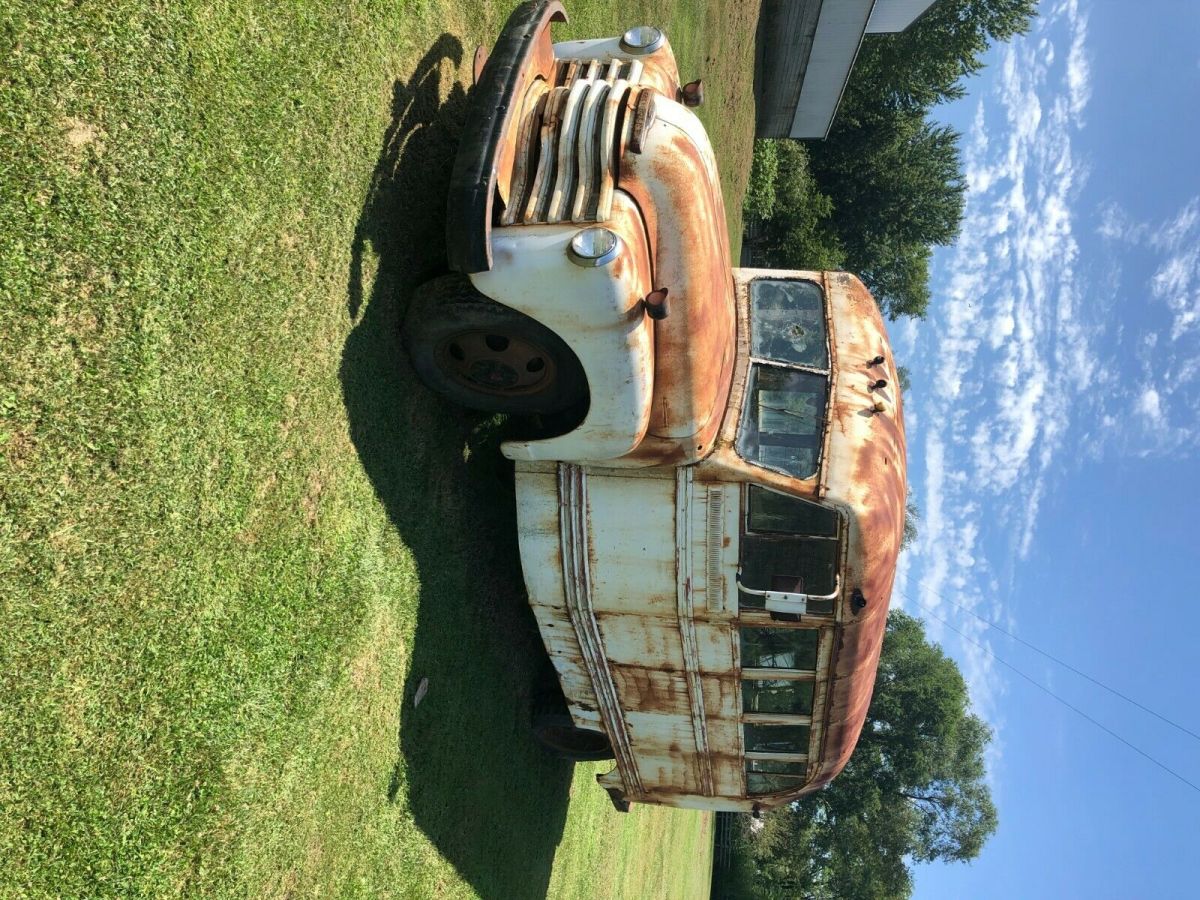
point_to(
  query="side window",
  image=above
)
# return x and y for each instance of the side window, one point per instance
(790, 697)
(783, 416)
(766, 776)
(779, 671)
(789, 545)
(779, 648)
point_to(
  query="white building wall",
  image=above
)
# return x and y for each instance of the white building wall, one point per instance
(840, 30)
(896, 15)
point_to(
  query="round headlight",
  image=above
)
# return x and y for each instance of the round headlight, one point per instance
(642, 39)
(594, 247)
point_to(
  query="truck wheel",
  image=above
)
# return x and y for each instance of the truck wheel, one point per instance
(487, 356)
(558, 734)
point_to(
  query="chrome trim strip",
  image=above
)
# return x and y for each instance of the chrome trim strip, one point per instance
(685, 602)
(577, 588)
(585, 151)
(543, 179)
(530, 128)
(564, 185)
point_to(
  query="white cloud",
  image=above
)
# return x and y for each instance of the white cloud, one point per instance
(1005, 332)
(1149, 405)
(1166, 337)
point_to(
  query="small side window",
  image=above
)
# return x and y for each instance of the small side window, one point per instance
(794, 698)
(779, 648)
(766, 776)
(775, 513)
(789, 545)
(776, 738)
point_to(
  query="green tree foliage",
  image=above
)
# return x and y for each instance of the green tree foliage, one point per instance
(760, 189)
(912, 519)
(914, 790)
(787, 214)
(924, 65)
(894, 178)
(899, 190)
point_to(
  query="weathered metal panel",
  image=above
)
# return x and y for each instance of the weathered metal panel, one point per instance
(635, 640)
(631, 544)
(717, 644)
(684, 557)
(725, 734)
(574, 528)
(650, 688)
(676, 176)
(722, 699)
(716, 515)
(541, 561)
(599, 310)
(866, 471)
(665, 731)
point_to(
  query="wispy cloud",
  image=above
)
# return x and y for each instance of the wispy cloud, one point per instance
(1006, 334)
(1165, 340)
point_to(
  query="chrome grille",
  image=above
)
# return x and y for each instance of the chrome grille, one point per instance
(565, 168)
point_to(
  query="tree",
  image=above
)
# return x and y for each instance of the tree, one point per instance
(887, 185)
(914, 790)
(788, 218)
(899, 190)
(912, 516)
(925, 65)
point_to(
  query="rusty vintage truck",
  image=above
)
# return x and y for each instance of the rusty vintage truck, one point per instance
(709, 542)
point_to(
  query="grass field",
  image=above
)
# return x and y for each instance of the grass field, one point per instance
(235, 533)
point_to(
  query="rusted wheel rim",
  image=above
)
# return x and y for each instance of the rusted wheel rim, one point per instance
(574, 740)
(493, 362)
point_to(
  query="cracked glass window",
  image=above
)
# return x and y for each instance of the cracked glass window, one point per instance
(788, 323)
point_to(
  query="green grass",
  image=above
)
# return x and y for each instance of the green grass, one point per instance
(235, 533)
(648, 853)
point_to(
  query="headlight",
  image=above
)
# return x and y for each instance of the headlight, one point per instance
(642, 39)
(594, 247)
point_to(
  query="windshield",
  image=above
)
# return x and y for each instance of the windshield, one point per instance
(783, 419)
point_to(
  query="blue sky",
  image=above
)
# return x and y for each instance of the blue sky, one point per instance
(1054, 444)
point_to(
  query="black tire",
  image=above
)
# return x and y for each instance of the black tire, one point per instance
(487, 356)
(560, 736)
(557, 732)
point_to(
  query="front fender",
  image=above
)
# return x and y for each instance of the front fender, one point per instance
(599, 313)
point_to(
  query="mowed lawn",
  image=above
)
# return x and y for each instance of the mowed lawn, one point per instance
(235, 533)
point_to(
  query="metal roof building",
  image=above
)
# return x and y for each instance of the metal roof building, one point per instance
(803, 56)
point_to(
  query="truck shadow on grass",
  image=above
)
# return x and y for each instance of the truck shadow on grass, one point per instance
(467, 769)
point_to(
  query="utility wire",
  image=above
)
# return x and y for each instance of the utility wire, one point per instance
(1065, 665)
(1041, 687)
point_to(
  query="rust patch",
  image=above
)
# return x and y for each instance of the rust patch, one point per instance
(694, 344)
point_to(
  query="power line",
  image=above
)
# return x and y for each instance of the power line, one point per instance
(1075, 709)
(1065, 665)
